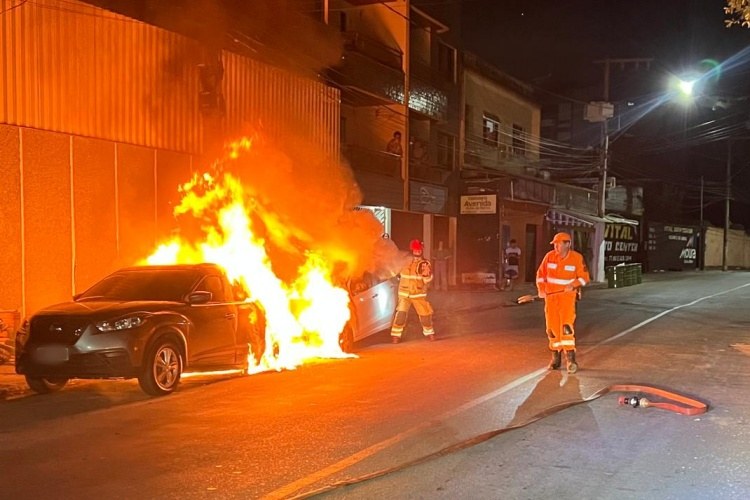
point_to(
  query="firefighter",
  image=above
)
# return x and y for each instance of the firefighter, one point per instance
(560, 275)
(412, 291)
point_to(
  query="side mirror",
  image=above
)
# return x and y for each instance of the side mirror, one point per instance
(199, 298)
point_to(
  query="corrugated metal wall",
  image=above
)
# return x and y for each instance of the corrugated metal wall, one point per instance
(99, 124)
(260, 95)
(69, 67)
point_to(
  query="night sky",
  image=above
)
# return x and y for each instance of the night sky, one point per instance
(553, 44)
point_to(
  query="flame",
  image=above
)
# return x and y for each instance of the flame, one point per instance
(305, 314)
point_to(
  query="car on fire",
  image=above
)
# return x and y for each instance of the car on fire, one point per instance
(373, 298)
(152, 323)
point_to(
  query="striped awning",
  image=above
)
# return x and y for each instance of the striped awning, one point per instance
(560, 217)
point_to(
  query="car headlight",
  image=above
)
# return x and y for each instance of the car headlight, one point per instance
(126, 323)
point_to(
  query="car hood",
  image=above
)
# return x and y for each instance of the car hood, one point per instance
(104, 307)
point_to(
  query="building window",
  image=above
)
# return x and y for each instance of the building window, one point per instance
(491, 129)
(519, 141)
(447, 62)
(446, 150)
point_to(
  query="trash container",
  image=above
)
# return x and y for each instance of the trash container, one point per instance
(614, 276)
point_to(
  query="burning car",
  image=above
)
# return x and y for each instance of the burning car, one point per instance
(152, 323)
(373, 304)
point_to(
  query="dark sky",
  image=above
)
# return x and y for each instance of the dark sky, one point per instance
(531, 39)
(553, 44)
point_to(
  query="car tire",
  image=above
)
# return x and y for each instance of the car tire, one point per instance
(42, 385)
(162, 368)
(346, 338)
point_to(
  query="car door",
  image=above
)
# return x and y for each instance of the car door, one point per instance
(374, 303)
(212, 339)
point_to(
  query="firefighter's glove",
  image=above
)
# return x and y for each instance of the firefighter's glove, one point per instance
(424, 269)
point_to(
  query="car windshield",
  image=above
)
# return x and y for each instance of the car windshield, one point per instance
(144, 284)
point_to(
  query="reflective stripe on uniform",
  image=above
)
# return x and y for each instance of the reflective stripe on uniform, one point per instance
(552, 265)
(583, 281)
(558, 281)
(540, 280)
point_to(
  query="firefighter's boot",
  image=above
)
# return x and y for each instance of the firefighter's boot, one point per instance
(570, 357)
(554, 363)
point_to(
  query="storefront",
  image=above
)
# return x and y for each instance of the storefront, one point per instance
(587, 232)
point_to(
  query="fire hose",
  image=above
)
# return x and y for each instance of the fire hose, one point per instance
(680, 404)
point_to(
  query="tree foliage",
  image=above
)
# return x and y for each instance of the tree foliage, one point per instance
(738, 12)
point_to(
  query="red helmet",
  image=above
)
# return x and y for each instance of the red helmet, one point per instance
(415, 246)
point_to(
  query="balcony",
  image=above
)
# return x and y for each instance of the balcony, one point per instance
(370, 160)
(370, 70)
(500, 157)
(426, 95)
(357, 42)
(576, 198)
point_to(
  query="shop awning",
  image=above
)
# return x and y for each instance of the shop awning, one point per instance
(559, 217)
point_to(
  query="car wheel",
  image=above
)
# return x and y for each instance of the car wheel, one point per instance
(162, 368)
(42, 385)
(346, 338)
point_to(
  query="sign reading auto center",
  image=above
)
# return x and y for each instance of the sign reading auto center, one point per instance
(479, 204)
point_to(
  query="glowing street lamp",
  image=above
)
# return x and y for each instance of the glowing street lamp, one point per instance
(686, 87)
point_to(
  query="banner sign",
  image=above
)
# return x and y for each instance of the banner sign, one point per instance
(621, 244)
(672, 247)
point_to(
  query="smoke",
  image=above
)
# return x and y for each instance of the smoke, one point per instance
(284, 32)
(304, 202)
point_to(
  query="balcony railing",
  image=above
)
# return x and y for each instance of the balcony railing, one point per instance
(370, 67)
(357, 42)
(370, 160)
(576, 198)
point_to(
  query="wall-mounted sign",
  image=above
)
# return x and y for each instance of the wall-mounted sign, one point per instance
(479, 204)
(672, 247)
(427, 198)
(621, 242)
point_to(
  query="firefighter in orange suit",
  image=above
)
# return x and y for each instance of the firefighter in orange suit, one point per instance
(412, 291)
(560, 275)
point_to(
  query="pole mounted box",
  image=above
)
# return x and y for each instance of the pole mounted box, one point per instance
(598, 111)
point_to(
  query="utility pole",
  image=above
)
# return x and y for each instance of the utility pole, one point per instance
(607, 63)
(702, 234)
(724, 264)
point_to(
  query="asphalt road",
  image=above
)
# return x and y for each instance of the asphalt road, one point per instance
(297, 433)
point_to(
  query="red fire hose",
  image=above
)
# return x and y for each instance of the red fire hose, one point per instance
(686, 406)
(680, 404)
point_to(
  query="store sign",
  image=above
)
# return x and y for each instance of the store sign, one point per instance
(621, 244)
(672, 247)
(479, 204)
(428, 198)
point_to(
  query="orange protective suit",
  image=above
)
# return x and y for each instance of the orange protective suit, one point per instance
(554, 275)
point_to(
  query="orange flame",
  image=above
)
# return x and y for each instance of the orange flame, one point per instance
(305, 316)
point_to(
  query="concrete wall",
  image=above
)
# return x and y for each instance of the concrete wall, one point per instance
(738, 248)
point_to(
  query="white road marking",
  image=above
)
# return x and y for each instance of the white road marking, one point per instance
(291, 488)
